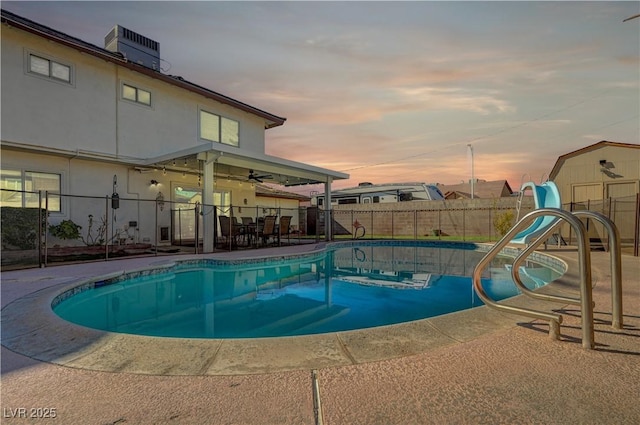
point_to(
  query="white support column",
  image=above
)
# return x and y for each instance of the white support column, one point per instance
(327, 210)
(208, 183)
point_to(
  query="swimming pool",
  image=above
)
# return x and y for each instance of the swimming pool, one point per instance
(353, 285)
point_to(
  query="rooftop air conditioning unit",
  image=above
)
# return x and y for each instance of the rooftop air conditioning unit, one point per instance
(134, 47)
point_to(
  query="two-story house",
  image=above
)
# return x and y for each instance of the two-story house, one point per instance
(78, 119)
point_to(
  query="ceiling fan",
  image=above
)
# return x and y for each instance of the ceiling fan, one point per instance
(258, 178)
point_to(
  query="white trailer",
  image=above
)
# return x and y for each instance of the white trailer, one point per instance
(369, 193)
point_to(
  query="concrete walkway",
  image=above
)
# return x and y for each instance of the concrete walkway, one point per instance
(474, 367)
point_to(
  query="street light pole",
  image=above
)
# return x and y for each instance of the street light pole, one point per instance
(472, 173)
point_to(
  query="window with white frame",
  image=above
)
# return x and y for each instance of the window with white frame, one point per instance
(222, 199)
(136, 94)
(49, 68)
(229, 131)
(22, 187)
(219, 129)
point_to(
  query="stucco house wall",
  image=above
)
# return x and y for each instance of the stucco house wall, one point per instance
(42, 112)
(90, 114)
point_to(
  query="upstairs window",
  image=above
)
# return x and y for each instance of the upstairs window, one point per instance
(136, 94)
(229, 132)
(209, 126)
(215, 128)
(49, 68)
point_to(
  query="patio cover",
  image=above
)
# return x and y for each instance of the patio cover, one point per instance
(236, 163)
(223, 161)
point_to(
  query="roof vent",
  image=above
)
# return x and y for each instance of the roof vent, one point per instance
(363, 184)
(134, 47)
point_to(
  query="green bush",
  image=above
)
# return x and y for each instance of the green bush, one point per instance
(67, 229)
(503, 222)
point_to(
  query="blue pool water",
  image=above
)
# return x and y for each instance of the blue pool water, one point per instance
(342, 289)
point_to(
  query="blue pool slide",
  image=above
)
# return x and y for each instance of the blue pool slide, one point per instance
(545, 195)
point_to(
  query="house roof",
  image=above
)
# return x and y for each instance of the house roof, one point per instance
(40, 30)
(457, 195)
(481, 189)
(562, 158)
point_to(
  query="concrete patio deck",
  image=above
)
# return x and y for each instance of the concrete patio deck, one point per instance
(473, 367)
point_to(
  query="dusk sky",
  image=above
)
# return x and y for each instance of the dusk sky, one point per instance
(395, 91)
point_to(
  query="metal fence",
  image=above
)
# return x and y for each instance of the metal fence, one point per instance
(624, 212)
(460, 220)
(466, 224)
(89, 228)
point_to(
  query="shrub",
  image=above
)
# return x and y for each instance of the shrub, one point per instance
(67, 229)
(503, 221)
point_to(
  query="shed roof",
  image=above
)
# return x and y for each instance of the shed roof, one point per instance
(562, 158)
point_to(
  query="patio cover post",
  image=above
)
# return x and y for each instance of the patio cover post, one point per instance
(207, 201)
(328, 231)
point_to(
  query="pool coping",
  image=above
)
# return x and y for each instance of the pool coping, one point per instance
(31, 328)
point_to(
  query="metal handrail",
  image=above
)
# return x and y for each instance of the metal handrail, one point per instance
(524, 254)
(615, 254)
(586, 296)
(616, 267)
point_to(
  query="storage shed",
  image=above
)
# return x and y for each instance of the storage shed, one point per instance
(603, 177)
(599, 171)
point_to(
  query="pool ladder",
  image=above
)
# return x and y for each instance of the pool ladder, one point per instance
(584, 252)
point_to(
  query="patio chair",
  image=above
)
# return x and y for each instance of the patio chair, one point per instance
(241, 230)
(268, 230)
(284, 228)
(249, 228)
(229, 230)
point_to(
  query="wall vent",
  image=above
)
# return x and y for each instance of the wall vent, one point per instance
(134, 47)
